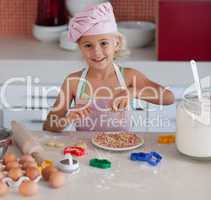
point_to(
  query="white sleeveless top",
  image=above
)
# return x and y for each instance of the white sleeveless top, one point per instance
(83, 77)
(100, 118)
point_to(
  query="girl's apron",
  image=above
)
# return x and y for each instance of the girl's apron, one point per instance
(101, 120)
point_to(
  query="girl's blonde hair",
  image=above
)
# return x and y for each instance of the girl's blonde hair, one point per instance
(123, 50)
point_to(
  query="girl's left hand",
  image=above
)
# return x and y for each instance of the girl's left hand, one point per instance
(121, 101)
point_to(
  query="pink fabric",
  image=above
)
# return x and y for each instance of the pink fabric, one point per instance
(94, 20)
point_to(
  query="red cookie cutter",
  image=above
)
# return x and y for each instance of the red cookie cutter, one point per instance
(74, 151)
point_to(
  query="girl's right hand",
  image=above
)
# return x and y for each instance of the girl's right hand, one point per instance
(78, 112)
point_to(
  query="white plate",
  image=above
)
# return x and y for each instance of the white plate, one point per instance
(117, 149)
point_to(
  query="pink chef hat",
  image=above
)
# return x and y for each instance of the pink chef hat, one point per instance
(98, 19)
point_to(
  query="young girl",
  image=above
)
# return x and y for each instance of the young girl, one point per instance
(102, 92)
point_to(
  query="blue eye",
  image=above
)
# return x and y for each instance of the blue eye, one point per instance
(104, 43)
(87, 45)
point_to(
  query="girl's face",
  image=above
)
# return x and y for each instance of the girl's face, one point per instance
(99, 50)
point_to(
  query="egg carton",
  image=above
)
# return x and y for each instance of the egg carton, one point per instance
(15, 184)
(2, 165)
(10, 182)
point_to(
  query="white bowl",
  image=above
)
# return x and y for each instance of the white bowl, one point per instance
(48, 33)
(137, 33)
(73, 6)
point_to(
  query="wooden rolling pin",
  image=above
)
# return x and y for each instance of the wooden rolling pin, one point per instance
(26, 142)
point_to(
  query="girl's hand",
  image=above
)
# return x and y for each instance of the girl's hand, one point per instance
(78, 112)
(121, 101)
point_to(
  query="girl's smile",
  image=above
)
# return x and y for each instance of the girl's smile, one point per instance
(98, 50)
(98, 60)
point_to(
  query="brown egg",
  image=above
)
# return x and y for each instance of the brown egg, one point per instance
(56, 179)
(26, 158)
(47, 171)
(28, 188)
(28, 164)
(12, 164)
(32, 173)
(9, 157)
(15, 173)
(3, 188)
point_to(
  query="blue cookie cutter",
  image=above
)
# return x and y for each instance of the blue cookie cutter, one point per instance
(153, 158)
(140, 156)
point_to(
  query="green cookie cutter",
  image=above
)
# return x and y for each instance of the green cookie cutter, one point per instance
(100, 163)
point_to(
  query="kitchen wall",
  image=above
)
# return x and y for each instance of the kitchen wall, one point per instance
(17, 16)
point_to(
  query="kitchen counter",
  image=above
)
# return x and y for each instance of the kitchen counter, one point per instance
(27, 48)
(176, 177)
(22, 57)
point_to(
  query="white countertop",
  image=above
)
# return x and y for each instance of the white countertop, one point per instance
(176, 177)
(27, 57)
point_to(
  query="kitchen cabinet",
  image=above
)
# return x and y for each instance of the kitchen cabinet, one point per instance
(31, 118)
(15, 96)
(28, 105)
(183, 30)
(153, 118)
(163, 118)
(34, 114)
